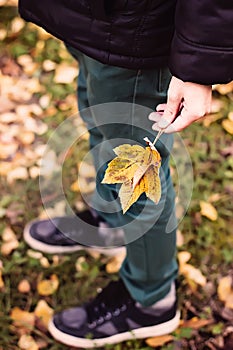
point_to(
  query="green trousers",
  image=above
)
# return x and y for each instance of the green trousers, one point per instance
(115, 104)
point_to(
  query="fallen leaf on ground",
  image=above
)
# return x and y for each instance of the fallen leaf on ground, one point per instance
(208, 210)
(24, 60)
(159, 341)
(189, 271)
(137, 168)
(8, 247)
(34, 172)
(48, 287)
(65, 74)
(44, 101)
(196, 323)
(17, 24)
(22, 318)
(227, 124)
(184, 257)
(24, 286)
(8, 117)
(26, 342)
(193, 274)
(44, 312)
(44, 262)
(6, 104)
(225, 291)
(48, 65)
(8, 150)
(19, 173)
(26, 137)
(10, 241)
(33, 254)
(8, 234)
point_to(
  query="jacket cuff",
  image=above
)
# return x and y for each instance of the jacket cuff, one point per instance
(200, 64)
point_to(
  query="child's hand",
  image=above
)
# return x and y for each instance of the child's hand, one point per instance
(187, 102)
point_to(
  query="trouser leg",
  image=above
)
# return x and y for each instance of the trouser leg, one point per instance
(150, 265)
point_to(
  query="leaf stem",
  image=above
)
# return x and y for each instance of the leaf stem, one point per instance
(157, 136)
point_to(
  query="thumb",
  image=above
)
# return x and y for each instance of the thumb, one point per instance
(175, 96)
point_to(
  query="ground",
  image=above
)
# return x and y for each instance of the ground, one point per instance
(37, 93)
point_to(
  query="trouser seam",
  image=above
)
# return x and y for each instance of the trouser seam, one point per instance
(134, 97)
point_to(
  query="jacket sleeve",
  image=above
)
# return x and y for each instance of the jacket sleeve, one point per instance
(202, 46)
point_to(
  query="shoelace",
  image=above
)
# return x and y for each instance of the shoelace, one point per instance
(108, 304)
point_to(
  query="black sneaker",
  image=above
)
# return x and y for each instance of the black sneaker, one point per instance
(69, 234)
(112, 317)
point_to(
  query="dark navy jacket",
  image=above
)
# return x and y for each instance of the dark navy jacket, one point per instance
(194, 36)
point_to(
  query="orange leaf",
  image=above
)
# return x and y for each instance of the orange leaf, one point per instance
(22, 318)
(196, 323)
(159, 341)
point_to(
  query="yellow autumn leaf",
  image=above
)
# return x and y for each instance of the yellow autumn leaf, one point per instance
(129, 151)
(44, 312)
(120, 170)
(189, 271)
(194, 274)
(184, 257)
(225, 291)
(48, 287)
(152, 184)
(227, 124)
(224, 287)
(22, 318)
(208, 210)
(137, 168)
(129, 194)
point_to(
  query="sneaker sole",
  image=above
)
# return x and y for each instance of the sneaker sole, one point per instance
(141, 333)
(52, 249)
